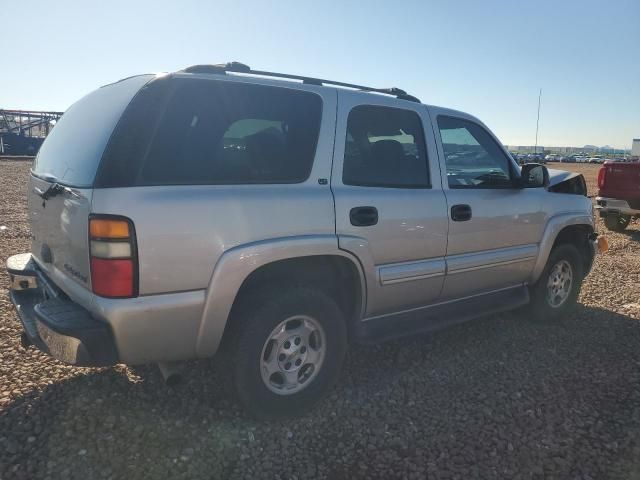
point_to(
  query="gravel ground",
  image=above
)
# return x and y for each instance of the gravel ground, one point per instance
(499, 397)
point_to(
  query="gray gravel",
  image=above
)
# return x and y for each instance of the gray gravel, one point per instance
(495, 398)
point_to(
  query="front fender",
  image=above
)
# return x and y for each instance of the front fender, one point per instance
(236, 264)
(554, 226)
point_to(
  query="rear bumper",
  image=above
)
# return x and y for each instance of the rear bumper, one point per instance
(54, 323)
(613, 206)
(134, 331)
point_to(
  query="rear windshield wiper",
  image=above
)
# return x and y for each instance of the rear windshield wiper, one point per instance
(53, 190)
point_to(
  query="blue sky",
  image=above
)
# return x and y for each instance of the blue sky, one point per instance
(488, 58)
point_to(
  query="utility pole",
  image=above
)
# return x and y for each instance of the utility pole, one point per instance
(535, 149)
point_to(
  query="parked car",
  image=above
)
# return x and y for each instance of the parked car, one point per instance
(275, 222)
(618, 199)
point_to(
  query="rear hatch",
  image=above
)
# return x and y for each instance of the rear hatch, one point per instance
(621, 181)
(61, 182)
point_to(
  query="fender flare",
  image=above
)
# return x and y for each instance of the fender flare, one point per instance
(554, 226)
(236, 264)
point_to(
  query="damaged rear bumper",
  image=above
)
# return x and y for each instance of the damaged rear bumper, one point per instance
(54, 323)
(613, 206)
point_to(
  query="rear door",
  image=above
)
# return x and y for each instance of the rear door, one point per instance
(495, 226)
(390, 208)
(69, 158)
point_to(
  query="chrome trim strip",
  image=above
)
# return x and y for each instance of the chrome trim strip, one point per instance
(468, 262)
(405, 272)
(491, 265)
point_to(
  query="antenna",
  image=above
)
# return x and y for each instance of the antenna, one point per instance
(535, 149)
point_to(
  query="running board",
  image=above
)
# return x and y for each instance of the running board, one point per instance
(438, 316)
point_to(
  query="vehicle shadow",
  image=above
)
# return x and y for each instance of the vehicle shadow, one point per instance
(477, 387)
(633, 234)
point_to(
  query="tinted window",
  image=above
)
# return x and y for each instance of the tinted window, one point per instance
(220, 133)
(385, 148)
(73, 149)
(473, 158)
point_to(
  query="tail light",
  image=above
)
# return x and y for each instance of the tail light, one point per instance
(114, 259)
(602, 176)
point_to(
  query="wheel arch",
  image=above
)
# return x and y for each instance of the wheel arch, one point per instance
(567, 228)
(310, 259)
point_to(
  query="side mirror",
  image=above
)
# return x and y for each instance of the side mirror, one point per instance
(534, 175)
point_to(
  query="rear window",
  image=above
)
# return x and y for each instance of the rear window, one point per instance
(72, 151)
(213, 132)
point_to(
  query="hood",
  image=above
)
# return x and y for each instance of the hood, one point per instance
(561, 181)
(559, 176)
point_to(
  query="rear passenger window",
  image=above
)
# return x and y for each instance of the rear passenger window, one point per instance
(385, 148)
(233, 133)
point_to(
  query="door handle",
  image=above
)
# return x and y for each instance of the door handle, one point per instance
(363, 216)
(461, 213)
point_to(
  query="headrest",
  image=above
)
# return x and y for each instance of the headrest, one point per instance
(389, 151)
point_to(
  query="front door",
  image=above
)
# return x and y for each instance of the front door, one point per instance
(494, 225)
(390, 208)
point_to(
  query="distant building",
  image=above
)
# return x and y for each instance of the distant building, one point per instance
(635, 147)
(525, 149)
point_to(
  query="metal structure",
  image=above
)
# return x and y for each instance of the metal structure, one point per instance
(23, 131)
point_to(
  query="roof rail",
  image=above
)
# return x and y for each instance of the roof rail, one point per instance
(237, 67)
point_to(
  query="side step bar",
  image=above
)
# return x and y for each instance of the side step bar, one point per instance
(438, 316)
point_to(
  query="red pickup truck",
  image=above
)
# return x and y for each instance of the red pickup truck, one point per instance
(618, 199)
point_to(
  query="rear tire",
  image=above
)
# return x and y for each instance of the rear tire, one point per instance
(288, 350)
(555, 294)
(617, 223)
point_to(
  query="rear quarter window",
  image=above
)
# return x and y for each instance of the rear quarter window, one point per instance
(217, 132)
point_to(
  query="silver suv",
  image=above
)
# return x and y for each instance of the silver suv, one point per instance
(276, 219)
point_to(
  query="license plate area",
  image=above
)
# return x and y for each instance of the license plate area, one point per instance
(23, 282)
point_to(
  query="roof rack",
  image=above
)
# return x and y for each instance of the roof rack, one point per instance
(237, 67)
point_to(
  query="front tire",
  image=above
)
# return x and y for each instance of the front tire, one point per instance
(555, 294)
(288, 351)
(617, 223)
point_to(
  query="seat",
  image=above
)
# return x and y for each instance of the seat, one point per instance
(386, 158)
(267, 155)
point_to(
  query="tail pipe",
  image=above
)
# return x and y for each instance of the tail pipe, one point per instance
(25, 341)
(171, 372)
